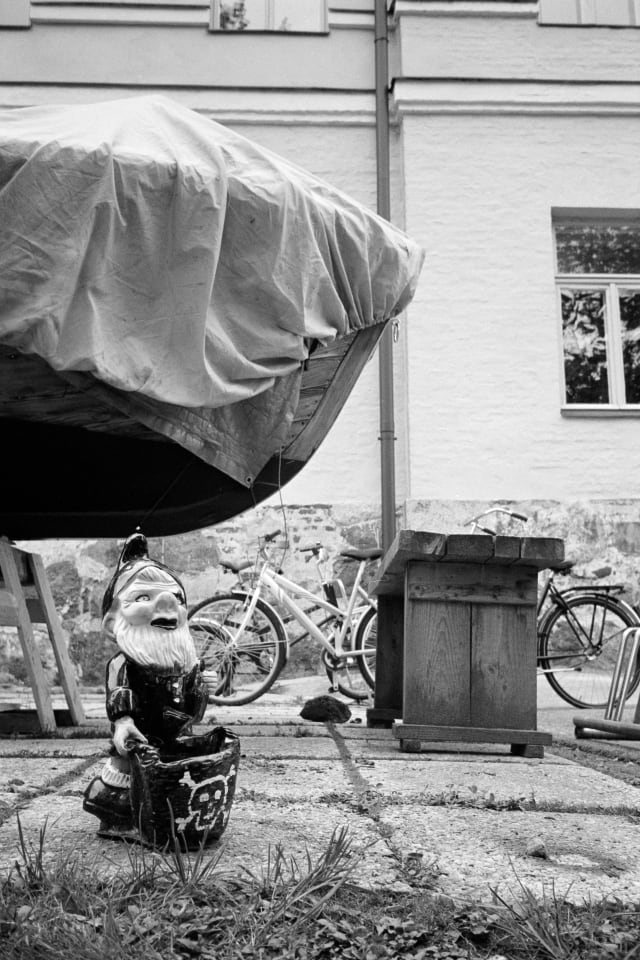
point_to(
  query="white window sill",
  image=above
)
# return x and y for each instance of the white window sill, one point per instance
(598, 410)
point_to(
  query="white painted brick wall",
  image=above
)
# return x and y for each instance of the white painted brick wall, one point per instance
(483, 358)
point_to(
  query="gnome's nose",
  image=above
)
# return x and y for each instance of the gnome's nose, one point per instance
(166, 605)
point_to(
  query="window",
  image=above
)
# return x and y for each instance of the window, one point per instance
(589, 13)
(298, 16)
(598, 282)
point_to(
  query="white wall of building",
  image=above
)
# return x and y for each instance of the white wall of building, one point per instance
(484, 364)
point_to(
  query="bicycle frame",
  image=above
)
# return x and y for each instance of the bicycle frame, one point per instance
(566, 606)
(559, 598)
(282, 589)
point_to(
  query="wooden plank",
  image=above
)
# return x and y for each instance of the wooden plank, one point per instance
(335, 348)
(408, 545)
(32, 660)
(468, 548)
(381, 717)
(387, 698)
(58, 639)
(505, 550)
(437, 734)
(472, 583)
(437, 642)
(22, 568)
(333, 399)
(320, 371)
(541, 552)
(307, 404)
(503, 666)
(27, 721)
(8, 609)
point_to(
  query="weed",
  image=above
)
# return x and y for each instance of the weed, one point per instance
(177, 905)
(481, 799)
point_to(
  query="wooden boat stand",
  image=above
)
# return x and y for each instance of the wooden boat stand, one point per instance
(25, 599)
(457, 640)
(612, 726)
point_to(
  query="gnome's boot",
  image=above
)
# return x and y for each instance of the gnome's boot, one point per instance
(107, 797)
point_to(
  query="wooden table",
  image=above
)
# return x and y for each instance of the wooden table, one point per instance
(457, 639)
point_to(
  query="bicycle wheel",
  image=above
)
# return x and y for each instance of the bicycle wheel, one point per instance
(238, 669)
(348, 674)
(347, 677)
(366, 639)
(578, 648)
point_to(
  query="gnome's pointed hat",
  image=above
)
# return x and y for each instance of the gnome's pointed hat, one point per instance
(134, 557)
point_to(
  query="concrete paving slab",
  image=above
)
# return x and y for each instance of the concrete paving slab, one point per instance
(290, 748)
(20, 776)
(285, 728)
(302, 827)
(531, 784)
(299, 781)
(253, 829)
(390, 747)
(8, 803)
(24, 747)
(475, 851)
(67, 828)
(320, 780)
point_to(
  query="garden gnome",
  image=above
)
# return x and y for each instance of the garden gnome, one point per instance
(154, 685)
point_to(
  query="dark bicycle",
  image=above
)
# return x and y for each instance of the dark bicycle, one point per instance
(580, 629)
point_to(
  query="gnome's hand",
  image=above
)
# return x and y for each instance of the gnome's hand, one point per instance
(125, 730)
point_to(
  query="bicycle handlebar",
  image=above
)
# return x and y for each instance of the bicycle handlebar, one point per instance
(270, 537)
(486, 513)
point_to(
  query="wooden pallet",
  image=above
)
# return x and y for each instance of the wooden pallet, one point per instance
(25, 599)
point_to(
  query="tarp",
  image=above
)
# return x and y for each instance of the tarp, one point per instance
(183, 270)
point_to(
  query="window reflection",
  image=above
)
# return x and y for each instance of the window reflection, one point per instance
(277, 15)
(585, 346)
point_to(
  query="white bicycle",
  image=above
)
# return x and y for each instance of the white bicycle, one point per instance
(243, 641)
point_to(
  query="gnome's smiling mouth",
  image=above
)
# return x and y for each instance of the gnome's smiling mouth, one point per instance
(165, 623)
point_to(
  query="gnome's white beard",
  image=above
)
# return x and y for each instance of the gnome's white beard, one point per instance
(155, 648)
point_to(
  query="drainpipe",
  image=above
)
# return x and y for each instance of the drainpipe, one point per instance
(385, 347)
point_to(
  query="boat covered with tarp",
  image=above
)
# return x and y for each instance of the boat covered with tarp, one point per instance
(183, 314)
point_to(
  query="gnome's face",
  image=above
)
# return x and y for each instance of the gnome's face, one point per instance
(159, 604)
(148, 621)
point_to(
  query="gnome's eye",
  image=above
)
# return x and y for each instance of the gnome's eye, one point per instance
(141, 597)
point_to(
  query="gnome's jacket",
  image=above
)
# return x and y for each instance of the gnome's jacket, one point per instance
(158, 703)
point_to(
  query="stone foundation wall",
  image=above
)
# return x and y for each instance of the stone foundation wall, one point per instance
(596, 533)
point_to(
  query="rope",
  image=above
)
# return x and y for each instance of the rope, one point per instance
(155, 506)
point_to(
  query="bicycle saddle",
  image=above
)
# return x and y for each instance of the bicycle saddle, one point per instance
(371, 554)
(233, 567)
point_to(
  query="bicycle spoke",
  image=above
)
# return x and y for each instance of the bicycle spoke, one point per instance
(579, 647)
(239, 664)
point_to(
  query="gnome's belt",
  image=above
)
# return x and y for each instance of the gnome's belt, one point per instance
(169, 681)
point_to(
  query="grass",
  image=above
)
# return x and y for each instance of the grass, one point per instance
(179, 905)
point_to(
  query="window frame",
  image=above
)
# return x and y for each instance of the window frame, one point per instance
(323, 7)
(611, 283)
